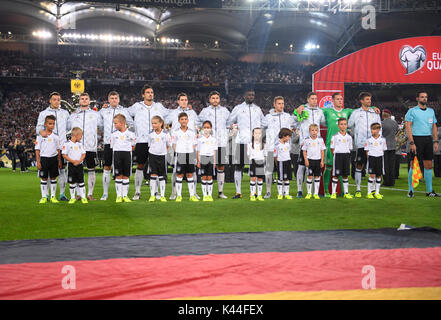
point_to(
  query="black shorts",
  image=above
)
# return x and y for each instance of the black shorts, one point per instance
(157, 165)
(141, 153)
(240, 157)
(207, 166)
(375, 165)
(424, 148)
(75, 174)
(185, 163)
(49, 167)
(91, 159)
(222, 156)
(122, 163)
(361, 157)
(257, 169)
(341, 165)
(314, 168)
(107, 155)
(284, 170)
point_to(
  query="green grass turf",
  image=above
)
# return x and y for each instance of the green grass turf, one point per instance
(21, 217)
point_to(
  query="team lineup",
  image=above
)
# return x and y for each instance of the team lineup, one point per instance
(197, 145)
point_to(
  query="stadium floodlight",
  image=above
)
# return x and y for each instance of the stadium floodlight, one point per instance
(41, 34)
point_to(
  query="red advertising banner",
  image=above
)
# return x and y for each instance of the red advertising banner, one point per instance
(410, 60)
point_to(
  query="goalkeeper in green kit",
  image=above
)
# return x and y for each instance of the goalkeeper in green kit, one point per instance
(332, 115)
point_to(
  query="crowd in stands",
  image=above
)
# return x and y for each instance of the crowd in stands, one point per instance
(194, 70)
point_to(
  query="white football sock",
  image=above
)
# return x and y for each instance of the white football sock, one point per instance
(300, 177)
(125, 187)
(72, 188)
(378, 185)
(118, 187)
(210, 187)
(309, 186)
(91, 177)
(106, 181)
(358, 178)
(179, 186)
(53, 188)
(221, 180)
(259, 188)
(316, 186)
(190, 184)
(43, 188)
(153, 185)
(62, 181)
(139, 176)
(162, 186)
(238, 181)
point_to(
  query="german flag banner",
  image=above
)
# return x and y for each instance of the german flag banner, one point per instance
(335, 264)
(416, 173)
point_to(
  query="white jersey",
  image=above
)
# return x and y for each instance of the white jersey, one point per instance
(89, 121)
(107, 115)
(61, 118)
(207, 145)
(315, 115)
(282, 151)
(74, 150)
(48, 146)
(122, 141)
(341, 143)
(256, 153)
(375, 147)
(193, 119)
(184, 141)
(142, 115)
(361, 121)
(158, 143)
(218, 116)
(313, 148)
(276, 121)
(247, 117)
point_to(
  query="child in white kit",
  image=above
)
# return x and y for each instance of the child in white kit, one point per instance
(206, 159)
(314, 153)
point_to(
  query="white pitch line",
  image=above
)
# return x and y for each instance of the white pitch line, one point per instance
(393, 189)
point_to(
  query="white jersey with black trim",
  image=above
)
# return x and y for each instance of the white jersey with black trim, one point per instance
(74, 150)
(341, 143)
(48, 146)
(275, 122)
(122, 141)
(184, 141)
(207, 145)
(61, 118)
(218, 116)
(375, 146)
(315, 115)
(247, 117)
(361, 121)
(282, 150)
(89, 121)
(142, 115)
(193, 119)
(158, 143)
(313, 148)
(107, 115)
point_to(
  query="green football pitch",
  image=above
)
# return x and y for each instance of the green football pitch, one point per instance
(22, 217)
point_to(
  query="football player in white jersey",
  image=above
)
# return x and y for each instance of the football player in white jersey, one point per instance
(60, 129)
(218, 116)
(89, 121)
(142, 113)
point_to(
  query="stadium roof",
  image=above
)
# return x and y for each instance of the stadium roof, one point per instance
(233, 28)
